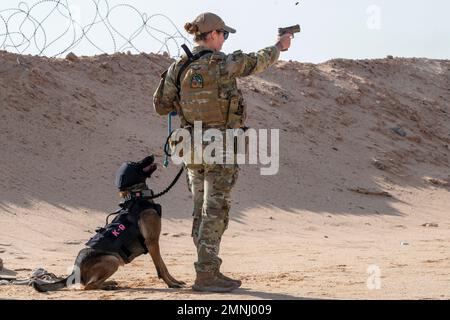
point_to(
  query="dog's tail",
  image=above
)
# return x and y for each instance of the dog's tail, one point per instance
(42, 285)
(45, 286)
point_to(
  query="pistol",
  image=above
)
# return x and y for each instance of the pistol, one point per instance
(292, 30)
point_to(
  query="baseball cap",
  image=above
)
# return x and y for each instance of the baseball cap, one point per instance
(208, 22)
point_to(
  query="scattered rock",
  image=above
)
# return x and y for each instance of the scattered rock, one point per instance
(399, 131)
(72, 57)
(415, 139)
(72, 242)
(285, 96)
(430, 225)
(378, 164)
(404, 243)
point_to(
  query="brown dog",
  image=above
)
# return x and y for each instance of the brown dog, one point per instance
(134, 232)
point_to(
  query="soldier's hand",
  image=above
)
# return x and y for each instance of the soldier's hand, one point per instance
(284, 42)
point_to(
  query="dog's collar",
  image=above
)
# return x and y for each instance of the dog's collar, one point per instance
(137, 195)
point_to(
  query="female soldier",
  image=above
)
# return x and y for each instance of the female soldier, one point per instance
(201, 86)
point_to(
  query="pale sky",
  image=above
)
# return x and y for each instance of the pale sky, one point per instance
(330, 28)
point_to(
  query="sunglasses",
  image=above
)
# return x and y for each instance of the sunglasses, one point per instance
(226, 34)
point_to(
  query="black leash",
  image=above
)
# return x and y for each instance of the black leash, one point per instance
(169, 187)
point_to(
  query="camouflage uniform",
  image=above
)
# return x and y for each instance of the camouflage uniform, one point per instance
(209, 184)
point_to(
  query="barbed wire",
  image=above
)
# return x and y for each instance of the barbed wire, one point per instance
(23, 29)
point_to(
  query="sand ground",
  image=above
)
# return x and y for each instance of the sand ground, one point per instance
(66, 126)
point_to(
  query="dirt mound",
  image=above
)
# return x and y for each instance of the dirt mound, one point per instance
(376, 125)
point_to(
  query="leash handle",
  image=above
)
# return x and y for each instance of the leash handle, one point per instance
(169, 133)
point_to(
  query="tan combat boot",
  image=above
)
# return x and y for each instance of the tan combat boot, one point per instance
(224, 277)
(211, 282)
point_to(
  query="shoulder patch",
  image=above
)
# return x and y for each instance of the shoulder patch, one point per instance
(197, 81)
(235, 56)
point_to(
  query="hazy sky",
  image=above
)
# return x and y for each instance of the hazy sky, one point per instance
(331, 28)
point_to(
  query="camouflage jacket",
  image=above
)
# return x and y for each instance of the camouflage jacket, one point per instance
(231, 66)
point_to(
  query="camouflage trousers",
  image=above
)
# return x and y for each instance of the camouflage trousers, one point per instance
(210, 185)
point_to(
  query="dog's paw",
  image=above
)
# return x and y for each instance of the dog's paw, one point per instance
(176, 285)
(111, 288)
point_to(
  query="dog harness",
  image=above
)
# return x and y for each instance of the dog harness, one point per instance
(122, 236)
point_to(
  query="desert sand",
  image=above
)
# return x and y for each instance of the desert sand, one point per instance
(380, 127)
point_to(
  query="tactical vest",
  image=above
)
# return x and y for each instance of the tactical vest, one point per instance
(199, 95)
(122, 236)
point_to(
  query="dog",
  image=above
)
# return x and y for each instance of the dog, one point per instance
(135, 231)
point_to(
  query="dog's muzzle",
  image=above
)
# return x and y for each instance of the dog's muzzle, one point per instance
(133, 173)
